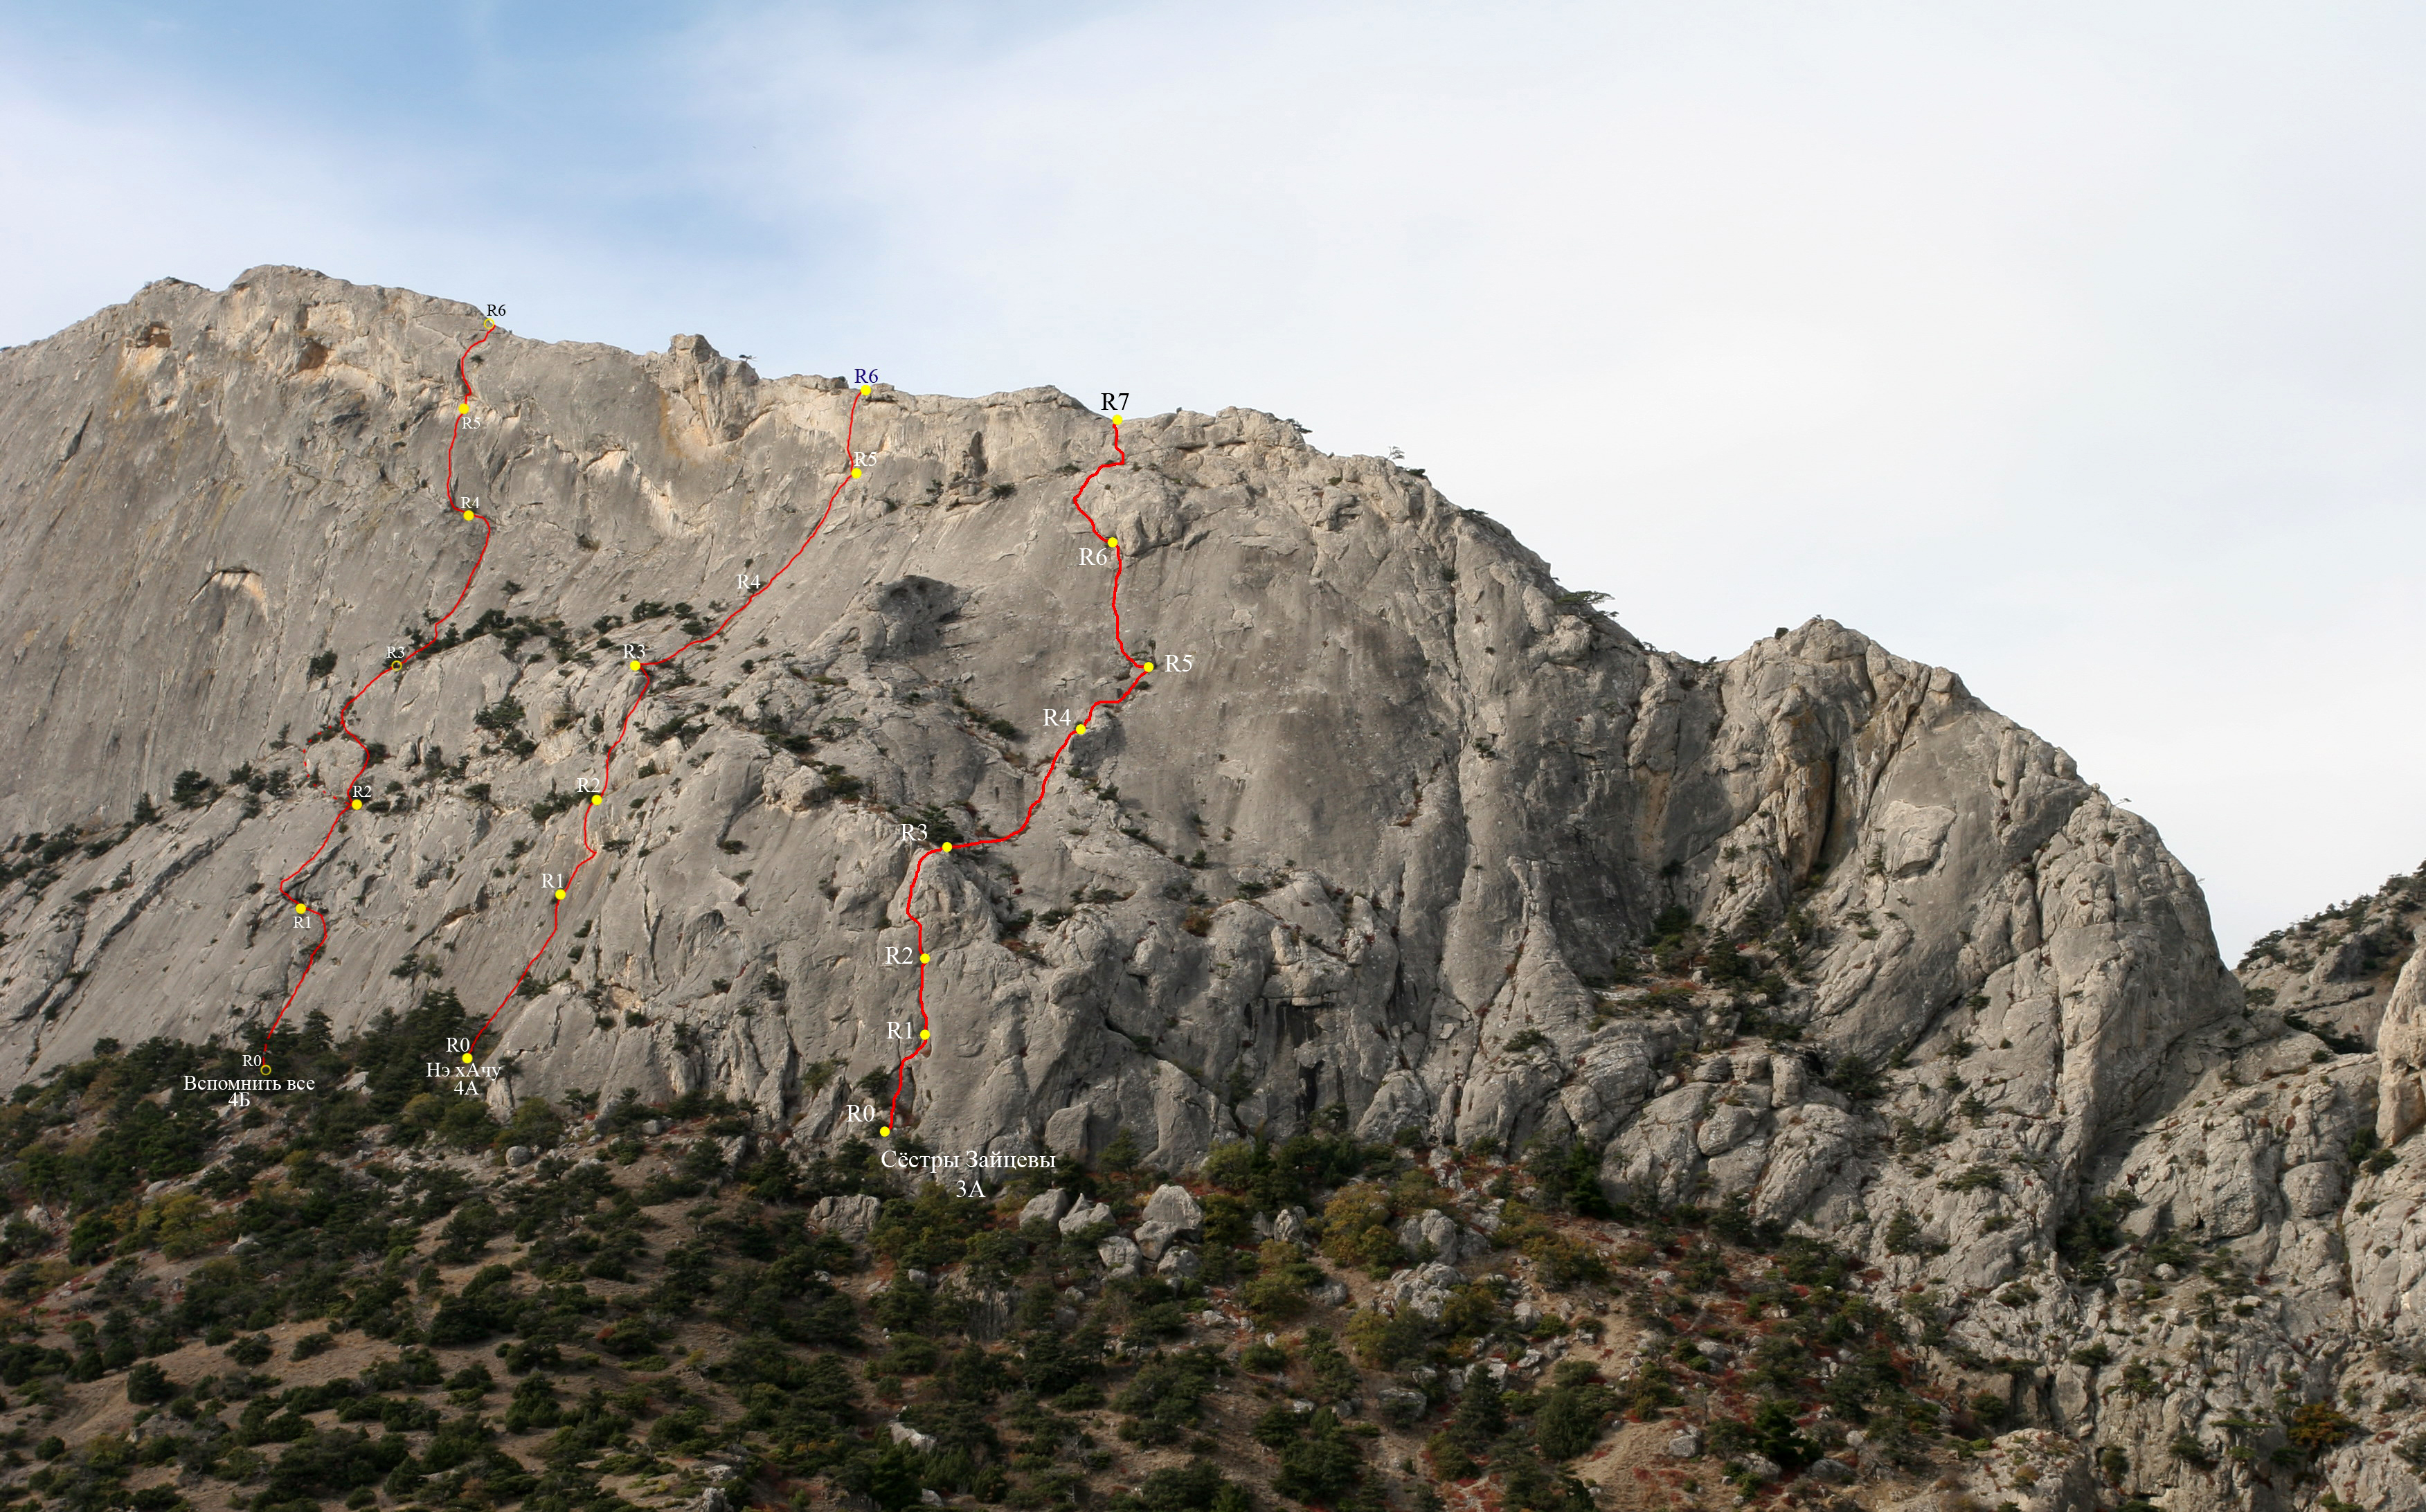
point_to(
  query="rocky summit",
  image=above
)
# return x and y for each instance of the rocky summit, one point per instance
(1402, 849)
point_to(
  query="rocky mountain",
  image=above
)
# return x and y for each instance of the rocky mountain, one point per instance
(1401, 836)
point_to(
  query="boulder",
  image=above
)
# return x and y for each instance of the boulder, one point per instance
(1118, 1255)
(1086, 1215)
(1729, 1125)
(1433, 1229)
(1175, 1206)
(904, 1434)
(845, 1218)
(2313, 1189)
(1045, 1207)
(1178, 1264)
(1155, 1236)
(1422, 1289)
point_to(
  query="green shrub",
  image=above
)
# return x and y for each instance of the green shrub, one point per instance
(1357, 1229)
(147, 1383)
(1568, 1418)
(2316, 1427)
(1859, 1078)
(1197, 1487)
(1321, 1464)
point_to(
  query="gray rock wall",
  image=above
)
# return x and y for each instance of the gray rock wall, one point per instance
(1385, 831)
(1403, 805)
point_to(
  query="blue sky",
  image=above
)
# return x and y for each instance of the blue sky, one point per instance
(2079, 348)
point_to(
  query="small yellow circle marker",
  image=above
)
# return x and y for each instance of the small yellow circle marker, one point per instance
(397, 665)
(948, 844)
(469, 515)
(598, 798)
(303, 908)
(467, 1057)
(867, 389)
(463, 409)
(358, 803)
(885, 1132)
(1111, 541)
(635, 667)
(1149, 667)
(924, 957)
(855, 472)
(1082, 730)
(922, 1034)
(560, 892)
(1116, 420)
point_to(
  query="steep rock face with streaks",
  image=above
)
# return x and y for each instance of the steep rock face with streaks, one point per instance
(1375, 838)
(1385, 834)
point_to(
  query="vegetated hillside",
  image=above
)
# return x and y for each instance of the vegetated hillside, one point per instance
(379, 1297)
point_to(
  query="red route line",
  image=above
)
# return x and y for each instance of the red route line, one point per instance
(489, 530)
(1138, 672)
(648, 680)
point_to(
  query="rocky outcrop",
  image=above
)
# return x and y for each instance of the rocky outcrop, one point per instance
(1369, 839)
(1399, 828)
(2333, 974)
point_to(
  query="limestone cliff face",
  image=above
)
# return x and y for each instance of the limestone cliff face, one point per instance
(1399, 828)
(1405, 801)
